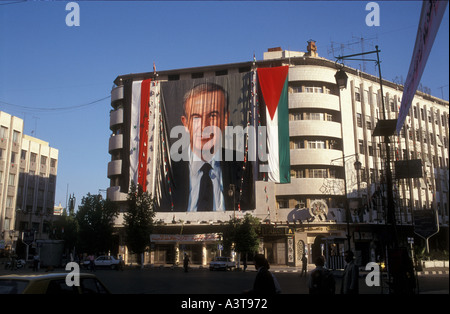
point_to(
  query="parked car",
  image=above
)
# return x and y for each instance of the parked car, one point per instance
(54, 283)
(222, 262)
(104, 261)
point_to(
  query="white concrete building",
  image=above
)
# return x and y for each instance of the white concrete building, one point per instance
(330, 130)
(28, 169)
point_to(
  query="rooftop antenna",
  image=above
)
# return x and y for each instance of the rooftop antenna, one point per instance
(33, 132)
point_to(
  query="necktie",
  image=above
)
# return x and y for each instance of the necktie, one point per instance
(205, 196)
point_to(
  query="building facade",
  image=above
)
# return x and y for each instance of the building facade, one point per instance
(28, 169)
(337, 167)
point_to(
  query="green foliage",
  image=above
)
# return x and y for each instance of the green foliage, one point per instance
(241, 235)
(95, 218)
(138, 220)
(65, 228)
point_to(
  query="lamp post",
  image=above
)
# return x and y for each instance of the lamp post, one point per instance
(384, 128)
(357, 166)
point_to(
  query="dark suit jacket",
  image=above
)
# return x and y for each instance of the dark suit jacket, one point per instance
(231, 174)
(264, 283)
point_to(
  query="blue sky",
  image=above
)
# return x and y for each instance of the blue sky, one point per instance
(46, 64)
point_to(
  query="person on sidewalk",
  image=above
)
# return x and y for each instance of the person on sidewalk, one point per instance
(304, 266)
(186, 262)
(350, 278)
(265, 282)
(321, 280)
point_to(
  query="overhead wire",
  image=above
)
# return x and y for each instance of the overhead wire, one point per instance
(52, 109)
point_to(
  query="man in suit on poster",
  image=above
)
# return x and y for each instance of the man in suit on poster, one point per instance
(203, 177)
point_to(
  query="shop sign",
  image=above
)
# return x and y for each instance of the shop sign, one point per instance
(273, 231)
(184, 237)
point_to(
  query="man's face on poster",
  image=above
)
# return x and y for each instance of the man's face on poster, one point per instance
(205, 119)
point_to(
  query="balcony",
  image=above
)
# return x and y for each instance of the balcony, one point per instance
(115, 142)
(313, 101)
(315, 128)
(315, 157)
(311, 186)
(312, 73)
(114, 168)
(113, 194)
(115, 118)
(117, 93)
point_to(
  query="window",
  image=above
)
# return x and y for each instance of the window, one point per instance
(43, 160)
(422, 114)
(369, 124)
(357, 94)
(23, 154)
(298, 144)
(52, 163)
(16, 137)
(361, 147)
(3, 132)
(12, 179)
(13, 157)
(33, 157)
(329, 117)
(316, 144)
(359, 120)
(9, 202)
(314, 116)
(415, 112)
(318, 173)
(283, 203)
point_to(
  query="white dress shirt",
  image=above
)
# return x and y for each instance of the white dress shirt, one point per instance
(195, 175)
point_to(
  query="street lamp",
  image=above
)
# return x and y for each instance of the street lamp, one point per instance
(232, 192)
(357, 166)
(384, 128)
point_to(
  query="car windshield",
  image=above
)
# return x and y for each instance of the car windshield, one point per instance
(9, 286)
(221, 259)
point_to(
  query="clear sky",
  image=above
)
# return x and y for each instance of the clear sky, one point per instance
(51, 73)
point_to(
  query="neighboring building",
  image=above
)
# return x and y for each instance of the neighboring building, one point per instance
(28, 168)
(58, 210)
(326, 127)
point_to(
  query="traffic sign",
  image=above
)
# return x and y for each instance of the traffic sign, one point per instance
(425, 223)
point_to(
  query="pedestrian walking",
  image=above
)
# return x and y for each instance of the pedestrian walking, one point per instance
(35, 262)
(265, 282)
(304, 265)
(92, 262)
(186, 262)
(350, 278)
(121, 263)
(321, 280)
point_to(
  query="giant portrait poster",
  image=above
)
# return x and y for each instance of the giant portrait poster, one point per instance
(205, 144)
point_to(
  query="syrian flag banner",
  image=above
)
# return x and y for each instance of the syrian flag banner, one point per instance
(139, 132)
(273, 83)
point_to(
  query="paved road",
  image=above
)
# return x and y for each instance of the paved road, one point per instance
(166, 280)
(203, 281)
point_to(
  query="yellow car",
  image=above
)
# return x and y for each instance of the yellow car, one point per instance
(54, 283)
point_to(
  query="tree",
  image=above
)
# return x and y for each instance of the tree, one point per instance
(241, 235)
(95, 218)
(138, 220)
(65, 228)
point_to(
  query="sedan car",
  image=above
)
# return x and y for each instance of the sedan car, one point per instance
(54, 283)
(222, 262)
(104, 261)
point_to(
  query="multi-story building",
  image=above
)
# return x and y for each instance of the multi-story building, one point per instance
(337, 167)
(28, 168)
